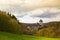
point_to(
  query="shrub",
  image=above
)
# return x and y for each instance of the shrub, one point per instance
(46, 32)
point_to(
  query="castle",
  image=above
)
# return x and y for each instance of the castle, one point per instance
(36, 26)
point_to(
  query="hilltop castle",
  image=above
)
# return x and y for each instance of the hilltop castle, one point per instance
(35, 26)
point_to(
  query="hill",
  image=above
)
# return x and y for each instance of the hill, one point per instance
(52, 30)
(9, 23)
(9, 36)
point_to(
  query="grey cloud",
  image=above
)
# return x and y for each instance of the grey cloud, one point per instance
(47, 14)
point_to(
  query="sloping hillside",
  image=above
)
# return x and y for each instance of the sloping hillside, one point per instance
(55, 23)
(52, 30)
(9, 36)
(9, 23)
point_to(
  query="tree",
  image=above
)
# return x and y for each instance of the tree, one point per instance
(14, 17)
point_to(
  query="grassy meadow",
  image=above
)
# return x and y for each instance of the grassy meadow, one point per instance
(9, 36)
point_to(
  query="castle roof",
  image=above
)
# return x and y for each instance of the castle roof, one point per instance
(35, 24)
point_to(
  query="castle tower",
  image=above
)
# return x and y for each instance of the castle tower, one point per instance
(41, 23)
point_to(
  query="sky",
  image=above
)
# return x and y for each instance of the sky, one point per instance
(31, 11)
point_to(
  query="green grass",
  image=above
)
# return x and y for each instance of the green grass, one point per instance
(9, 36)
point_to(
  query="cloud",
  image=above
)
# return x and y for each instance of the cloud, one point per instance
(32, 10)
(47, 14)
(27, 5)
(30, 3)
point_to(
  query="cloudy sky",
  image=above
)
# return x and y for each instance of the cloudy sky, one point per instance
(31, 11)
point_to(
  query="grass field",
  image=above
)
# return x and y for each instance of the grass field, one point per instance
(9, 36)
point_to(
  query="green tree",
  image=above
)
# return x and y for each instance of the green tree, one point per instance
(14, 17)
